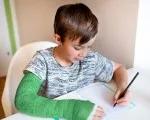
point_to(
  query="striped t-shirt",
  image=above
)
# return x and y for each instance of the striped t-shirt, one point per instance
(59, 80)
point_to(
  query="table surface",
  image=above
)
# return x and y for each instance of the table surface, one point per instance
(141, 98)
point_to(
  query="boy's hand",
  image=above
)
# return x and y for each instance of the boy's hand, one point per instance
(124, 100)
(99, 114)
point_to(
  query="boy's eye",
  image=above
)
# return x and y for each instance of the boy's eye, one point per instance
(77, 48)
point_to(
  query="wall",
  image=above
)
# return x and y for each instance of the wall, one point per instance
(35, 19)
(117, 28)
(9, 39)
(117, 24)
(142, 57)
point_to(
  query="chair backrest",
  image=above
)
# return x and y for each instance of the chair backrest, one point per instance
(15, 72)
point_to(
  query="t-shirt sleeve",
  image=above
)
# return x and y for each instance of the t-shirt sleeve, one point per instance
(103, 69)
(37, 66)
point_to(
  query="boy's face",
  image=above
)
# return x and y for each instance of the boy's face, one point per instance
(72, 51)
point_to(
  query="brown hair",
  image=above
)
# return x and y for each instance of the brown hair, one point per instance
(75, 21)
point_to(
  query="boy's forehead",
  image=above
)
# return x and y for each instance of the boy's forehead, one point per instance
(89, 43)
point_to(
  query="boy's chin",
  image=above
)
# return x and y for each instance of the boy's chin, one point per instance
(75, 60)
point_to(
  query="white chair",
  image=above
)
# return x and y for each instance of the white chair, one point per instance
(14, 75)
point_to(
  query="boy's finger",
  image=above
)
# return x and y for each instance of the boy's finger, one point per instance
(99, 113)
(126, 96)
(118, 92)
(123, 103)
(100, 108)
(97, 118)
(122, 99)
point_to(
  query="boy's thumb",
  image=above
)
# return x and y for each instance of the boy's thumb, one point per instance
(116, 95)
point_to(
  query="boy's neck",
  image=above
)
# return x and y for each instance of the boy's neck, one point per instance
(57, 54)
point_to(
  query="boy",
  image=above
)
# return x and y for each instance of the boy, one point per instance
(67, 67)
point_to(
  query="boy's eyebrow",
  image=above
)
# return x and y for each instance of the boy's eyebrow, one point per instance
(82, 46)
(76, 44)
(79, 45)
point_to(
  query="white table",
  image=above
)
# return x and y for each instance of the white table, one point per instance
(141, 99)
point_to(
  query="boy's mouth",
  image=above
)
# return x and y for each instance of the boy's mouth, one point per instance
(78, 59)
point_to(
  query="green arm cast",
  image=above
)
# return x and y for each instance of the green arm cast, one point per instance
(28, 101)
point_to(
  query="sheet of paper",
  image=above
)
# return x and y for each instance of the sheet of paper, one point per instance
(71, 95)
(102, 95)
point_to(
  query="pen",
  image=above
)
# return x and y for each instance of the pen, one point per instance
(124, 92)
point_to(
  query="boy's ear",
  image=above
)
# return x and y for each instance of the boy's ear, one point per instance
(58, 39)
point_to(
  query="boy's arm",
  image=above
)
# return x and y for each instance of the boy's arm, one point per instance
(28, 101)
(121, 78)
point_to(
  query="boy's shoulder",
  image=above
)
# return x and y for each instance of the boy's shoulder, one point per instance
(45, 53)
